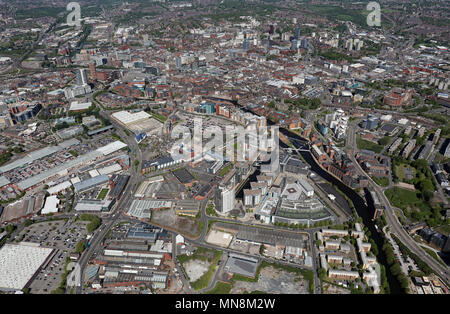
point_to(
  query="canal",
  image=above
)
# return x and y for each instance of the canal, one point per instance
(361, 208)
(365, 212)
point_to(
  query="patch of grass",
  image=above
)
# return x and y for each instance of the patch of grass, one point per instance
(210, 210)
(94, 221)
(444, 229)
(381, 181)
(204, 254)
(401, 198)
(434, 255)
(159, 117)
(306, 274)
(363, 144)
(225, 170)
(102, 194)
(220, 288)
(409, 202)
(204, 280)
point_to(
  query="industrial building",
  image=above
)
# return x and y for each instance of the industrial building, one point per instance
(70, 132)
(86, 205)
(24, 208)
(90, 183)
(38, 154)
(76, 106)
(138, 122)
(187, 207)
(159, 163)
(83, 159)
(147, 187)
(19, 264)
(143, 208)
(51, 205)
(242, 265)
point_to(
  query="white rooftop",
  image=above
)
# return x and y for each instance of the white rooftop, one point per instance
(57, 188)
(18, 264)
(51, 205)
(111, 147)
(110, 169)
(75, 105)
(126, 117)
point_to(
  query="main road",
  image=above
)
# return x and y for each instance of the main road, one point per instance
(392, 220)
(110, 221)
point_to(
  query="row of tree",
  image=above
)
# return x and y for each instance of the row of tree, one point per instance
(394, 266)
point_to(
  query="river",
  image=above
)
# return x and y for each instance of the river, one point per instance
(362, 209)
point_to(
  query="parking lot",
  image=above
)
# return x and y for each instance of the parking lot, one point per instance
(406, 263)
(60, 235)
(49, 279)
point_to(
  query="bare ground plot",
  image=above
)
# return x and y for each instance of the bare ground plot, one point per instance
(332, 289)
(31, 64)
(219, 238)
(195, 269)
(273, 281)
(184, 225)
(245, 247)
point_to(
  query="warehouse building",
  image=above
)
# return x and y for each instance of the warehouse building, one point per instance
(38, 154)
(100, 130)
(83, 159)
(19, 264)
(51, 205)
(143, 208)
(149, 187)
(138, 122)
(86, 205)
(90, 183)
(242, 265)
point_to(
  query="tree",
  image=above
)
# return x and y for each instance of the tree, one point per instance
(261, 249)
(322, 274)
(18, 150)
(80, 246)
(28, 222)
(427, 195)
(10, 228)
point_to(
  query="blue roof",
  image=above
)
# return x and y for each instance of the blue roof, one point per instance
(86, 184)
